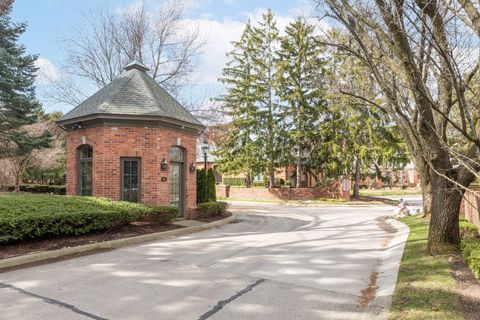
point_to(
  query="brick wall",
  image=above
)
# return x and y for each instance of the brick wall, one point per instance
(471, 204)
(279, 193)
(150, 144)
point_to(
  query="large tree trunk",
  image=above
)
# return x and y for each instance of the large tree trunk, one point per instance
(425, 183)
(298, 179)
(427, 197)
(298, 173)
(356, 184)
(17, 181)
(248, 180)
(443, 235)
(271, 178)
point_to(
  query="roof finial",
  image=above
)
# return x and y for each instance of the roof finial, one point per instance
(135, 64)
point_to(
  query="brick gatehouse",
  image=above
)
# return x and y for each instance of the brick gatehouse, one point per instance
(133, 141)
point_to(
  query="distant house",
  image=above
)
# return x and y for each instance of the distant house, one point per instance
(133, 141)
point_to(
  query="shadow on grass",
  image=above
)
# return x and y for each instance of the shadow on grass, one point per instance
(425, 285)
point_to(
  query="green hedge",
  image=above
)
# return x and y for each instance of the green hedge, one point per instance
(237, 182)
(40, 188)
(467, 230)
(471, 254)
(36, 188)
(206, 186)
(164, 214)
(201, 185)
(211, 209)
(34, 216)
(258, 184)
(210, 193)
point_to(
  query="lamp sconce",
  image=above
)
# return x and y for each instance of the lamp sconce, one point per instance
(164, 165)
(76, 126)
(192, 167)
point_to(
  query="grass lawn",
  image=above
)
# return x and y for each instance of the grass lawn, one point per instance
(425, 284)
(28, 216)
(388, 192)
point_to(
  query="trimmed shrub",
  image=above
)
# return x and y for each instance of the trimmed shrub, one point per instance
(33, 216)
(471, 253)
(39, 188)
(467, 230)
(164, 214)
(258, 184)
(211, 209)
(201, 183)
(236, 182)
(210, 194)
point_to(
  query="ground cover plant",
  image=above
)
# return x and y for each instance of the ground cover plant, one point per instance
(211, 209)
(470, 246)
(26, 216)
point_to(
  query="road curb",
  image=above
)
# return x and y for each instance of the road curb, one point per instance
(113, 244)
(390, 267)
(320, 205)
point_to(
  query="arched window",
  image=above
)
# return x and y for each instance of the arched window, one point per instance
(176, 154)
(85, 157)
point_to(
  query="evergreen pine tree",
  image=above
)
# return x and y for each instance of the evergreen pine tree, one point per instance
(18, 106)
(241, 152)
(265, 38)
(210, 183)
(366, 136)
(302, 89)
(201, 186)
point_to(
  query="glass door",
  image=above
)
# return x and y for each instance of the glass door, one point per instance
(85, 157)
(130, 186)
(175, 192)
(176, 179)
(86, 178)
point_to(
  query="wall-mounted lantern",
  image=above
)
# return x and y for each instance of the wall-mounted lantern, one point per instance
(164, 165)
(192, 167)
(77, 126)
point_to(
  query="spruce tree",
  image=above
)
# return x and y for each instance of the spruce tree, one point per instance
(18, 105)
(265, 38)
(302, 89)
(241, 151)
(367, 136)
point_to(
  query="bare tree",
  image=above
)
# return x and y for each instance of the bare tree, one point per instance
(161, 38)
(420, 54)
(5, 4)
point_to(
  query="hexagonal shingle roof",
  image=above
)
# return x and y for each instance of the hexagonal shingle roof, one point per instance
(133, 93)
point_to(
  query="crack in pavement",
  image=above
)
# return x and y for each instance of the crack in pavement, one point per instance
(220, 304)
(52, 301)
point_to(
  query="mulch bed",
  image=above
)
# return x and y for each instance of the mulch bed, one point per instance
(10, 250)
(468, 290)
(219, 217)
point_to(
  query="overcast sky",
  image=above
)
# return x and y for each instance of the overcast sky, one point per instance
(220, 21)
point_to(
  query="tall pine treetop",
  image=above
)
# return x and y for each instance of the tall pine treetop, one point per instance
(18, 106)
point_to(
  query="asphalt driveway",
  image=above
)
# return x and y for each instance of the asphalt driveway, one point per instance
(273, 262)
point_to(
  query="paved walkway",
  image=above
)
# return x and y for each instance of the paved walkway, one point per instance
(274, 262)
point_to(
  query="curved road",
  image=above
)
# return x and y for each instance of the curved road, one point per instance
(273, 262)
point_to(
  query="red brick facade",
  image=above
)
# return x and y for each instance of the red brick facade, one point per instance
(151, 145)
(471, 205)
